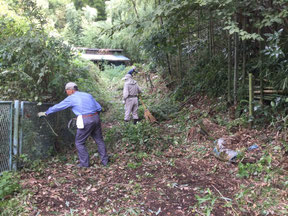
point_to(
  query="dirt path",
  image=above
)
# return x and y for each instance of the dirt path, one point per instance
(185, 179)
(164, 185)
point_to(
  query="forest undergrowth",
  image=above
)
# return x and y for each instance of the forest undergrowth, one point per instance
(167, 168)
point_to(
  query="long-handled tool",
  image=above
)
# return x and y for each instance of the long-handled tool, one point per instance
(148, 116)
(50, 127)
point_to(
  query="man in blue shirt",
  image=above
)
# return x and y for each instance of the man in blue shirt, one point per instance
(133, 70)
(87, 109)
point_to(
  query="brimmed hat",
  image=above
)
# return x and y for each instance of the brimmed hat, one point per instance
(70, 85)
(127, 76)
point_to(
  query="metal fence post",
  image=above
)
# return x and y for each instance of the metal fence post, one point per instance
(16, 133)
(11, 137)
(20, 127)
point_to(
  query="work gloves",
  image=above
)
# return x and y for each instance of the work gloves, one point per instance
(41, 114)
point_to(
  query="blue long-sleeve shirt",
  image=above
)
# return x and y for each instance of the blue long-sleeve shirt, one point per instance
(81, 103)
(131, 71)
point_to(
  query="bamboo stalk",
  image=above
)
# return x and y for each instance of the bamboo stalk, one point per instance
(244, 54)
(235, 80)
(261, 71)
(229, 69)
(229, 98)
(250, 97)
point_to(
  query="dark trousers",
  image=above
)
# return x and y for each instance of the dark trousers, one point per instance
(92, 127)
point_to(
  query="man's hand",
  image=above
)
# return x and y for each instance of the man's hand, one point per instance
(41, 114)
(123, 101)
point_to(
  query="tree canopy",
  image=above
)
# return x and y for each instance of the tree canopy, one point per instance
(34, 60)
(199, 45)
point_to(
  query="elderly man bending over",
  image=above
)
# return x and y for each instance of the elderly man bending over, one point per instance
(87, 109)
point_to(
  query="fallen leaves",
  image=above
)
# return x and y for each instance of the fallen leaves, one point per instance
(165, 185)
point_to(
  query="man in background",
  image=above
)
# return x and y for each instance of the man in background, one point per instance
(133, 70)
(87, 110)
(131, 91)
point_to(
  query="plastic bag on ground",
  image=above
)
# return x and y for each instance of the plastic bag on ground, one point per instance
(223, 153)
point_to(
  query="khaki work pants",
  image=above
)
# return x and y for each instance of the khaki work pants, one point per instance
(131, 106)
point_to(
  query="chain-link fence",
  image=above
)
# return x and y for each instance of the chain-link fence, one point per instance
(6, 109)
(23, 132)
(40, 137)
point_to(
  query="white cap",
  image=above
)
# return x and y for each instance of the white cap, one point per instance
(70, 85)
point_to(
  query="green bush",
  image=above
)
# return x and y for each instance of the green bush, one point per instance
(164, 109)
(142, 137)
(14, 206)
(274, 113)
(208, 76)
(263, 166)
(112, 137)
(9, 184)
(34, 65)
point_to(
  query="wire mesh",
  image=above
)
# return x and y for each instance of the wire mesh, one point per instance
(5, 135)
(37, 139)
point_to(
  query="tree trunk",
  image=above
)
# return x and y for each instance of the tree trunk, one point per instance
(135, 9)
(229, 70)
(212, 34)
(260, 70)
(244, 54)
(210, 40)
(180, 66)
(148, 80)
(188, 42)
(198, 26)
(251, 96)
(169, 65)
(235, 80)
(167, 55)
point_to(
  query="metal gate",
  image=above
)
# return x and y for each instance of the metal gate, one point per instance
(6, 112)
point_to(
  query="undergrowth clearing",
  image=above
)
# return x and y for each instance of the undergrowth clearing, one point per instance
(163, 169)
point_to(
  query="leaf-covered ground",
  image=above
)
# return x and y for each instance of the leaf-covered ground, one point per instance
(185, 179)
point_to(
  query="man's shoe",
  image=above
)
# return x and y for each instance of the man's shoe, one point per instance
(135, 121)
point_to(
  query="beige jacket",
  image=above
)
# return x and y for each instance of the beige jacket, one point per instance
(131, 87)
